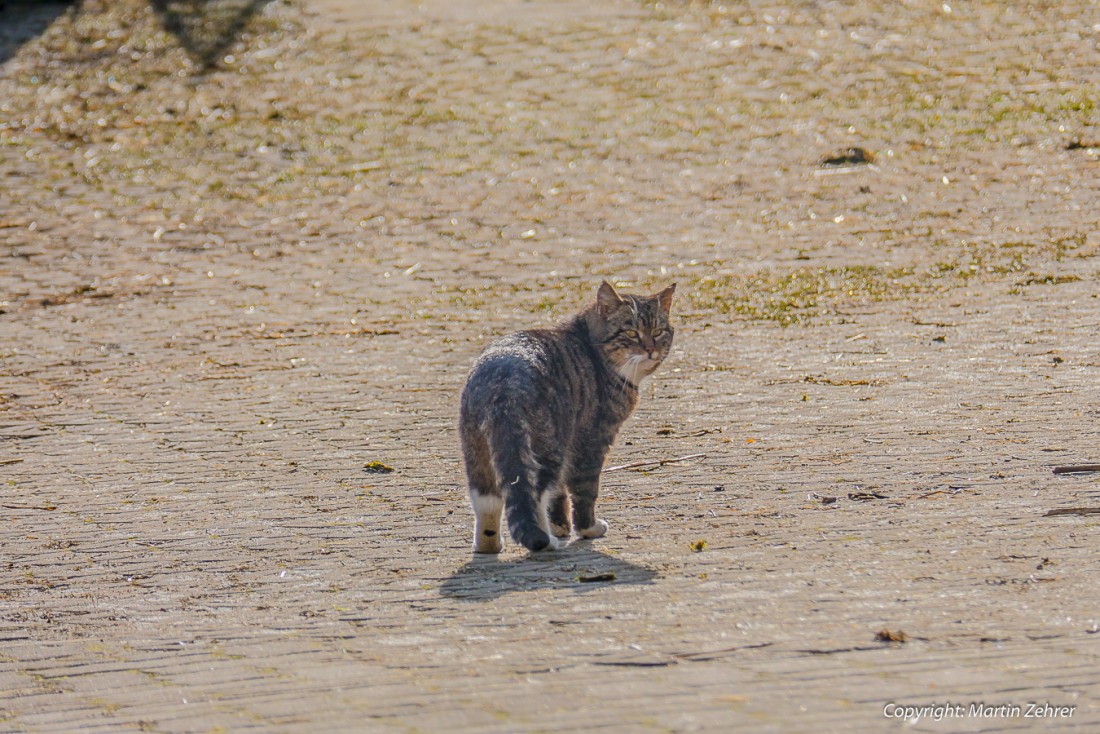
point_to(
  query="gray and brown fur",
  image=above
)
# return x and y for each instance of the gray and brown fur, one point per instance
(541, 409)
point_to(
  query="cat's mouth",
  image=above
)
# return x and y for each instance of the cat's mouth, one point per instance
(637, 366)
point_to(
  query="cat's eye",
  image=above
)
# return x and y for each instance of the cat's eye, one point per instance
(631, 333)
(658, 332)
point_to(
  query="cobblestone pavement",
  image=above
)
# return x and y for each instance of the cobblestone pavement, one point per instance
(235, 291)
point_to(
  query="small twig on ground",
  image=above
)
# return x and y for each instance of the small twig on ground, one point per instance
(1077, 468)
(707, 655)
(659, 462)
(950, 490)
(29, 507)
(5, 462)
(1073, 511)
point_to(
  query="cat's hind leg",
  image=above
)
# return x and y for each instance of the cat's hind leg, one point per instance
(488, 508)
(558, 514)
(485, 495)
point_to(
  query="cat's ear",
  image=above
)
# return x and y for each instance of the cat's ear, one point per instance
(607, 300)
(665, 298)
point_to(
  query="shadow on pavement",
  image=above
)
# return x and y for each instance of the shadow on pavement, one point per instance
(578, 567)
(206, 28)
(25, 20)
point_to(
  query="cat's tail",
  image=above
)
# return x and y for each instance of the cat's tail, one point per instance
(521, 509)
(518, 471)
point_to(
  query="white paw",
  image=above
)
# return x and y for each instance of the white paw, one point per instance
(598, 530)
(555, 543)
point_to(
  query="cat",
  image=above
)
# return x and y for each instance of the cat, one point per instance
(540, 411)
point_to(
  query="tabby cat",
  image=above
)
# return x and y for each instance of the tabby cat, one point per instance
(540, 410)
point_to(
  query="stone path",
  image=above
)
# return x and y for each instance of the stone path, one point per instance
(226, 293)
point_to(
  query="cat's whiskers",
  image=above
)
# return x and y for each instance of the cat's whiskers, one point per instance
(629, 370)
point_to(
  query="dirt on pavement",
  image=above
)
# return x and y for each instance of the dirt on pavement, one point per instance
(246, 261)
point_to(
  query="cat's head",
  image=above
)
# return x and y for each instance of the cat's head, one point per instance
(633, 332)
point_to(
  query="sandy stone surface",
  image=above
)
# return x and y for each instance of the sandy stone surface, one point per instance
(244, 273)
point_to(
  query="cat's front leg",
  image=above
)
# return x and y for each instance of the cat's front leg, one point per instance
(558, 514)
(584, 487)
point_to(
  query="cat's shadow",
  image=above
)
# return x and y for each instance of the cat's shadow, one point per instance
(578, 567)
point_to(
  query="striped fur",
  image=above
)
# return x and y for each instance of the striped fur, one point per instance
(540, 410)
